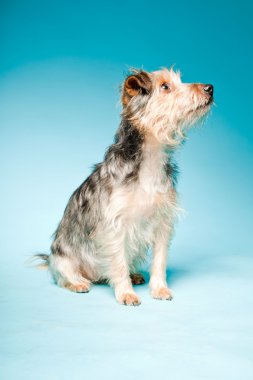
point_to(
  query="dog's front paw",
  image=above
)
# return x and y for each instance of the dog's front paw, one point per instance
(129, 299)
(162, 294)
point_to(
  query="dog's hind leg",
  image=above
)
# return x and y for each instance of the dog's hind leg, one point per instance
(67, 274)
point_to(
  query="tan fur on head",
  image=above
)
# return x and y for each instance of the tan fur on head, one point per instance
(168, 107)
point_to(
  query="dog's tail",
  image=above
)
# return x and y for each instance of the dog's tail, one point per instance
(44, 261)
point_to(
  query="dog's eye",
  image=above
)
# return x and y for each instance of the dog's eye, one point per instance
(166, 86)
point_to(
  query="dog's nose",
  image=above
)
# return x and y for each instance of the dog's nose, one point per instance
(208, 88)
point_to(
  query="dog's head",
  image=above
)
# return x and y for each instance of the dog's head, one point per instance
(160, 104)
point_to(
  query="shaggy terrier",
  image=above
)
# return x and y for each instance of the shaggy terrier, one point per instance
(129, 202)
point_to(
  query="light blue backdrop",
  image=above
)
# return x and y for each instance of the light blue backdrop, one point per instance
(61, 63)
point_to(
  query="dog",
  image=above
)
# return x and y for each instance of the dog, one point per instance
(129, 202)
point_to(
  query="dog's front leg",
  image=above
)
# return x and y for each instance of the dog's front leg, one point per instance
(158, 284)
(119, 275)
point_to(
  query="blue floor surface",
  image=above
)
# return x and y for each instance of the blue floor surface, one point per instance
(204, 333)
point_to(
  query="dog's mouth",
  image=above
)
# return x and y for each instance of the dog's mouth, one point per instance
(202, 107)
(205, 105)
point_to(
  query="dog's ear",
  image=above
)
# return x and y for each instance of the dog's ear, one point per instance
(137, 84)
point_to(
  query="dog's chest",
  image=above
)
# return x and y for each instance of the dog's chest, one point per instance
(151, 190)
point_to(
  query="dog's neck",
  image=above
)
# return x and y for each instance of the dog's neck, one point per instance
(153, 169)
(136, 157)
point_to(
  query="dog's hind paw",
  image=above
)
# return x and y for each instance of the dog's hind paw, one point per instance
(78, 288)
